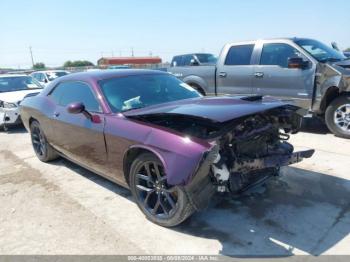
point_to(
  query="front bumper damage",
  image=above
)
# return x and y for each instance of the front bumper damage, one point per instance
(203, 185)
(275, 161)
(9, 116)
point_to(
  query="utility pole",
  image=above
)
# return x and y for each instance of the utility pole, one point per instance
(31, 55)
(132, 51)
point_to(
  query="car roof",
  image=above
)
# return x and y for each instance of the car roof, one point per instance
(106, 74)
(294, 39)
(198, 53)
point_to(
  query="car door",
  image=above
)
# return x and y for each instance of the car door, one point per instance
(235, 71)
(75, 135)
(273, 77)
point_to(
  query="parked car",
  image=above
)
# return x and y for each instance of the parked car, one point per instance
(347, 54)
(13, 89)
(193, 60)
(150, 132)
(46, 77)
(312, 74)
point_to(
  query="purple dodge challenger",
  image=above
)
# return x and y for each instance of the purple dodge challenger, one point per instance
(150, 132)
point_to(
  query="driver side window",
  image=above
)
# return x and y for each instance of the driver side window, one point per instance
(278, 54)
(69, 92)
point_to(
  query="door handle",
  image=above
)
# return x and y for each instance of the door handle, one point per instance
(222, 74)
(259, 74)
(56, 114)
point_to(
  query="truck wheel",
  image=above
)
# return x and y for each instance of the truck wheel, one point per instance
(161, 203)
(198, 88)
(338, 116)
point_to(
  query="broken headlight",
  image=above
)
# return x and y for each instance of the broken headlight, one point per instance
(7, 105)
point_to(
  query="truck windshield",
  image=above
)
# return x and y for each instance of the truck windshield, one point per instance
(137, 91)
(320, 51)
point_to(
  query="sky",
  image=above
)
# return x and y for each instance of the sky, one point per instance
(65, 30)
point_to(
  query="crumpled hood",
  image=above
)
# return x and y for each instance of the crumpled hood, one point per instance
(16, 96)
(216, 109)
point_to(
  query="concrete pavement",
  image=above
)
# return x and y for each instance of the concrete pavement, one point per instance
(60, 208)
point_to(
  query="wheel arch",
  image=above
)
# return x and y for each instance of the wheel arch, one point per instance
(197, 81)
(197, 87)
(330, 94)
(31, 120)
(132, 153)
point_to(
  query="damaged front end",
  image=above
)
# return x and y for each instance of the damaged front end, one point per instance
(247, 152)
(255, 148)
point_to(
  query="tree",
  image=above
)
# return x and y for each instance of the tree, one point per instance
(67, 64)
(38, 66)
(78, 63)
(347, 49)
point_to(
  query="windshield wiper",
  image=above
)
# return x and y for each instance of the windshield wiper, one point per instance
(133, 108)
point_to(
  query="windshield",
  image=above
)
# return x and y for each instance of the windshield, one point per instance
(206, 58)
(320, 51)
(132, 92)
(17, 83)
(53, 75)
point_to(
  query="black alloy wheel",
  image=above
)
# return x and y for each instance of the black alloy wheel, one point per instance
(163, 204)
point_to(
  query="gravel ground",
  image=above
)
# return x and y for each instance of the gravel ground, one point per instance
(60, 208)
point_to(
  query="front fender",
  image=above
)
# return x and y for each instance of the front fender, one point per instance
(326, 77)
(179, 155)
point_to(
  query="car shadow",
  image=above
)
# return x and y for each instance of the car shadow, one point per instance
(314, 125)
(15, 129)
(111, 186)
(301, 211)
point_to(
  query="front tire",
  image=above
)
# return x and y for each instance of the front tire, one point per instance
(161, 203)
(43, 150)
(338, 116)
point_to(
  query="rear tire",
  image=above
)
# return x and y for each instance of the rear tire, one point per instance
(161, 203)
(338, 116)
(198, 88)
(43, 150)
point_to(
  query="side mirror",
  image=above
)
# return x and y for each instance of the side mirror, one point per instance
(45, 81)
(194, 62)
(76, 108)
(79, 108)
(335, 46)
(297, 63)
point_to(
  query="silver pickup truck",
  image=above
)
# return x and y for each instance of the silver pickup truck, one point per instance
(305, 71)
